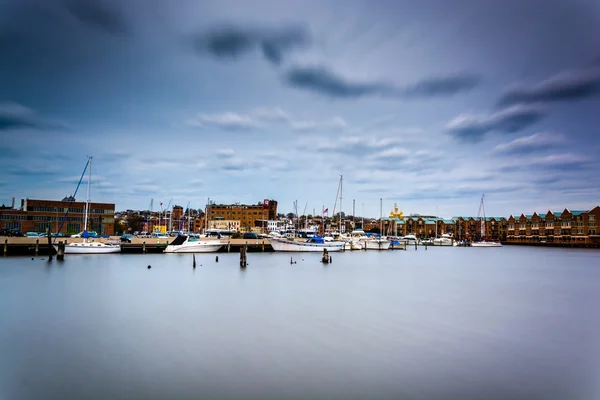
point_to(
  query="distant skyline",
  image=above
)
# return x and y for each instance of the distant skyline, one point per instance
(427, 105)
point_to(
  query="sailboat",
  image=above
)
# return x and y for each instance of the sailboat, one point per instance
(92, 247)
(482, 242)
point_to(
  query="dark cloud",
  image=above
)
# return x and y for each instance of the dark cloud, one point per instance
(472, 128)
(443, 86)
(573, 85)
(324, 81)
(231, 42)
(15, 116)
(99, 14)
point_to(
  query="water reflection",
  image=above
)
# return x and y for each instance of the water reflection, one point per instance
(443, 324)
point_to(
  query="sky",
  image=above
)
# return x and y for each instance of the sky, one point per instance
(425, 104)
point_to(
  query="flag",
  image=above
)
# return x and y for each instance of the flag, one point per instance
(326, 210)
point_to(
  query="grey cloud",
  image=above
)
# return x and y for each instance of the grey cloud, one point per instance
(99, 14)
(473, 128)
(574, 85)
(325, 82)
(15, 116)
(231, 42)
(530, 144)
(444, 86)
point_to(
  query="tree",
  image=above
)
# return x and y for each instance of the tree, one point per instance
(135, 223)
(290, 215)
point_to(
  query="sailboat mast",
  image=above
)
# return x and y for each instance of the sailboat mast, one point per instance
(87, 200)
(341, 189)
(381, 216)
(482, 219)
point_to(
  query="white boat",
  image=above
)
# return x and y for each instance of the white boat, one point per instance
(310, 245)
(482, 242)
(360, 240)
(410, 240)
(186, 244)
(486, 244)
(92, 247)
(445, 240)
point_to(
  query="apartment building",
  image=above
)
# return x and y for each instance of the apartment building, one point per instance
(566, 227)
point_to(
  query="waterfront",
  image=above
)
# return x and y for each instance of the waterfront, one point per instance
(443, 323)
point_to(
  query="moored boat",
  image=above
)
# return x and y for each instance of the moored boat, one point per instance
(445, 240)
(482, 242)
(310, 245)
(86, 247)
(187, 244)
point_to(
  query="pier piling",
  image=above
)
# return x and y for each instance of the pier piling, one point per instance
(243, 256)
(144, 247)
(60, 254)
(37, 246)
(194, 258)
(325, 259)
(50, 247)
(5, 247)
(217, 259)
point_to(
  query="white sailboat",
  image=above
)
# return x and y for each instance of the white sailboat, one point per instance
(482, 242)
(91, 247)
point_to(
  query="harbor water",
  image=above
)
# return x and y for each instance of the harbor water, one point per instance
(442, 323)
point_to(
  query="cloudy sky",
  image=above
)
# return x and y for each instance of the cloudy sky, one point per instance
(426, 104)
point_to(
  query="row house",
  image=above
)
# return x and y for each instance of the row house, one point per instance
(567, 227)
(422, 227)
(469, 228)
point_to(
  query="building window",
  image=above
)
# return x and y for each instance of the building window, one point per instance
(14, 226)
(591, 218)
(592, 224)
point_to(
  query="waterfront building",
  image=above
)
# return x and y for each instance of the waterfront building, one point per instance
(224, 224)
(39, 215)
(563, 227)
(246, 214)
(469, 228)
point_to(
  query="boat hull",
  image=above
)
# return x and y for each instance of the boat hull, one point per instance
(378, 244)
(442, 242)
(196, 247)
(486, 244)
(288, 245)
(91, 248)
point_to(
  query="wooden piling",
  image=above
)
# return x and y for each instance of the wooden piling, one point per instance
(50, 247)
(243, 260)
(144, 247)
(5, 246)
(60, 254)
(37, 246)
(263, 245)
(229, 246)
(325, 258)
(194, 258)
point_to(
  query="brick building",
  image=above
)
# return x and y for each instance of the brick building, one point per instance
(247, 215)
(567, 227)
(39, 215)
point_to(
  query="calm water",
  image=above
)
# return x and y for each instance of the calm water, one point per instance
(446, 323)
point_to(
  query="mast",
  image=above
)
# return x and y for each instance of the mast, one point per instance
(87, 200)
(481, 215)
(483, 218)
(341, 178)
(380, 216)
(206, 216)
